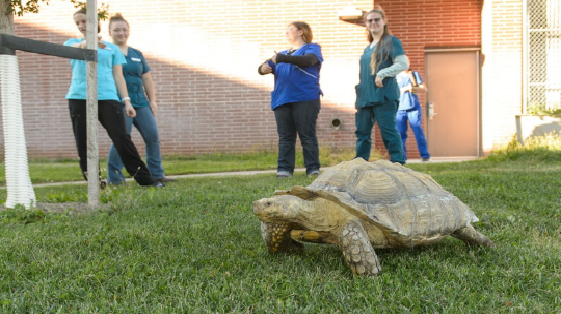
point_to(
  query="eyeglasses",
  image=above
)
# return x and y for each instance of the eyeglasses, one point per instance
(376, 20)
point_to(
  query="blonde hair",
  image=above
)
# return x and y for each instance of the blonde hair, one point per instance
(117, 17)
(385, 44)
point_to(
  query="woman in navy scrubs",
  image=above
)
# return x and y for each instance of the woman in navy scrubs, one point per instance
(377, 93)
(295, 98)
(139, 82)
(111, 88)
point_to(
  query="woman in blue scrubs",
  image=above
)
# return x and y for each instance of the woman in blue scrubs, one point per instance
(410, 83)
(111, 87)
(295, 98)
(377, 93)
(139, 82)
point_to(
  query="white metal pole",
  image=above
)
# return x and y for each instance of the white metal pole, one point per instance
(91, 103)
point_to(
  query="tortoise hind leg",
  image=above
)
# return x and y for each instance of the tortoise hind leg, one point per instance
(357, 249)
(277, 237)
(471, 237)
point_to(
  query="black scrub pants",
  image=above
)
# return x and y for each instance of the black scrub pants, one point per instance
(110, 114)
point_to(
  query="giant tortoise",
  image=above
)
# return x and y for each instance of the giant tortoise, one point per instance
(362, 206)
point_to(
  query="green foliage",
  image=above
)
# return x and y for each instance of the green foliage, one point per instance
(195, 247)
(19, 8)
(21, 215)
(536, 148)
(539, 109)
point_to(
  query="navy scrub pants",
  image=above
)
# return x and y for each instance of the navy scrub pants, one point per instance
(384, 115)
(414, 117)
(292, 118)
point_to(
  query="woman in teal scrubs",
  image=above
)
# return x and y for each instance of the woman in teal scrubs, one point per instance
(377, 93)
(139, 84)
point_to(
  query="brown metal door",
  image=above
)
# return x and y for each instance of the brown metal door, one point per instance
(452, 103)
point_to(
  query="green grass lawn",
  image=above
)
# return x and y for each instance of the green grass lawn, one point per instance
(61, 170)
(195, 247)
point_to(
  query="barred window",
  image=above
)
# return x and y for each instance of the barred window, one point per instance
(543, 75)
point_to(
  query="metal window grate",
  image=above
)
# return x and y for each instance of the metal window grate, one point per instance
(544, 56)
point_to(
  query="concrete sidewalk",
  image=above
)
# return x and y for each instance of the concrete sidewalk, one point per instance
(249, 173)
(443, 159)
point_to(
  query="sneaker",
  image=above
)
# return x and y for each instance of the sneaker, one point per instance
(313, 173)
(166, 179)
(155, 184)
(426, 159)
(283, 174)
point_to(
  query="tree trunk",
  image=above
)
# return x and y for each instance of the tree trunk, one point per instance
(6, 19)
(18, 183)
(92, 105)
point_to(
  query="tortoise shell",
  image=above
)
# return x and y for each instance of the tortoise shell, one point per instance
(409, 206)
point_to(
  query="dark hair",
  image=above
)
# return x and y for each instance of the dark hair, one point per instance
(307, 34)
(384, 46)
(117, 17)
(83, 11)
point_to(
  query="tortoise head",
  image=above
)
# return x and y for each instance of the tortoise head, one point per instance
(277, 208)
(311, 214)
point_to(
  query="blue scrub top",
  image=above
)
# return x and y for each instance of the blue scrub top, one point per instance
(293, 83)
(107, 58)
(367, 93)
(133, 71)
(408, 100)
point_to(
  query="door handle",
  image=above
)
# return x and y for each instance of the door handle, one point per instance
(431, 110)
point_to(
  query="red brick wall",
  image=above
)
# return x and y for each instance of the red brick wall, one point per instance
(431, 23)
(204, 56)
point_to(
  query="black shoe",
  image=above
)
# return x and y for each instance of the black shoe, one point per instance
(155, 184)
(426, 159)
(166, 179)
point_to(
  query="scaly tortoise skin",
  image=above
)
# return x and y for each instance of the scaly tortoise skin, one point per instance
(362, 205)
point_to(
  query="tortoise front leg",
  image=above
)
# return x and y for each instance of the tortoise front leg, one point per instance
(314, 236)
(357, 249)
(277, 237)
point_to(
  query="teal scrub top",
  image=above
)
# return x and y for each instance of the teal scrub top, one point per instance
(367, 93)
(107, 58)
(133, 71)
